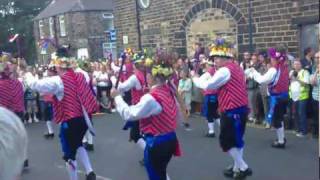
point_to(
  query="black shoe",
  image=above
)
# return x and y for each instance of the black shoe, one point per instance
(141, 162)
(91, 176)
(242, 174)
(228, 172)
(89, 147)
(210, 135)
(26, 164)
(48, 135)
(278, 145)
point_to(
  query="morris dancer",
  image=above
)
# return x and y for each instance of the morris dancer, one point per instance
(229, 80)
(157, 112)
(73, 102)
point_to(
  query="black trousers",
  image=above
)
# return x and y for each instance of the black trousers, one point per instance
(160, 156)
(135, 132)
(315, 122)
(71, 135)
(279, 112)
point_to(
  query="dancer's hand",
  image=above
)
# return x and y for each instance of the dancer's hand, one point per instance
(114, 93)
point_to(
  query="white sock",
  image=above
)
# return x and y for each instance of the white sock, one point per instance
(211, 127)
(233, 153)
(141, 143)
(218, 121)
(241, 152)
(82, 155)
(280, 134)
(89, 137)
(49, 126)
(168, 178)
(242, 164)
(72, 170)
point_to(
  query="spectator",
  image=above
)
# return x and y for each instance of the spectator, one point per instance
(315, 82)
(185, 90)
(307, 61)
(104, 87)
(13, 149)
(253, 91)
(299, 93)
(265, 64)
(246, 61)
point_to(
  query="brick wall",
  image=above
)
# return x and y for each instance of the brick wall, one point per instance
(165, 22)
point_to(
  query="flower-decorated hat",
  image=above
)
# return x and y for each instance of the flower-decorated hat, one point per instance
(278, 53)
(221, 48)
(63, 59)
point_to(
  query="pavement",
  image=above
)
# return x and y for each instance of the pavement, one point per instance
(115, 158)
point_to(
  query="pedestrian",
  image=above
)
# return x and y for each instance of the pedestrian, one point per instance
(73, 101)
(277, 78)
(229, 80)
(299, 93)
(157, 112)
(185, 90)
(315, 82)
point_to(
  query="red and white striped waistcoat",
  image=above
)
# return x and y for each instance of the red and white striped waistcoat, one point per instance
(165, 122)
(281, 83)
(233, 94)
(137, 94)
(211, 71)
(11, 95)
(77, 92)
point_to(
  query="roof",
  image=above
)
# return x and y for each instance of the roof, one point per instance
(64, 6)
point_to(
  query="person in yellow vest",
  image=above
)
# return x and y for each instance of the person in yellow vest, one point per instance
(299, 93)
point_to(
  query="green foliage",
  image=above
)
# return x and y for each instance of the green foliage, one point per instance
(16, 16)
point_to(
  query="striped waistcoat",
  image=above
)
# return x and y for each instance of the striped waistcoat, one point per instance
(233, 94)
(281, 83)
(77, 92)
(11, 95)
(164, 122)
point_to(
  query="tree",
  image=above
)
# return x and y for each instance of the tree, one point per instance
(16, 17)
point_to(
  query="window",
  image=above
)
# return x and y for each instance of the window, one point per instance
(109, 48)
(41, 31)
(51, 27)
(108, 21)
(62, 23)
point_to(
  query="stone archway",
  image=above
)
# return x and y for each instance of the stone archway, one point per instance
(207, 25)
(208, 11)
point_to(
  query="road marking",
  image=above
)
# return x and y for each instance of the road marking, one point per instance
(83, 173)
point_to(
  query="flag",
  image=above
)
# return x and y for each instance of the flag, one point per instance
(13, 38)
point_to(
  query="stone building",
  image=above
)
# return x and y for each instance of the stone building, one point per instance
(85, 25)
(178, 24)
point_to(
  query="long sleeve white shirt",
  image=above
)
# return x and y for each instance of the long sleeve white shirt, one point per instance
(267, 78)
(52, 85)
(220, 78)
(147, 107)
(130, 83)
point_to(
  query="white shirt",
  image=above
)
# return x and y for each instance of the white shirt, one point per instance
(220, 78)
(295, 90)
(103, 79)
(267, 78)
(49, 85)
(146, 107)
(116, 68)
(130, 83)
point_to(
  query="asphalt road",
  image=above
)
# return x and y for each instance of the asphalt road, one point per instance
(115, 158)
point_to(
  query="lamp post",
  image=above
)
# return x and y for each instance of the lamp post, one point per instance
(250, 27)
(138, 25)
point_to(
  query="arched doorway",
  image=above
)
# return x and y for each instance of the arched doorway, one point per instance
(207, 25)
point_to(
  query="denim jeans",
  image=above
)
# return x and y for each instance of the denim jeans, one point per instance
(301, 115)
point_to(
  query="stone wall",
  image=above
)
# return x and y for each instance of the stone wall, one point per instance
(166, 22)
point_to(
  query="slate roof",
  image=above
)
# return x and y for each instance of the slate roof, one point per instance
(57, 7)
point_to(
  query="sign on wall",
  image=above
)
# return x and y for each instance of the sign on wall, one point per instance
(125, 39)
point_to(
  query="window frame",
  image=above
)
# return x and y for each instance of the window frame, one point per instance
(41, 30)
(62, 21)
